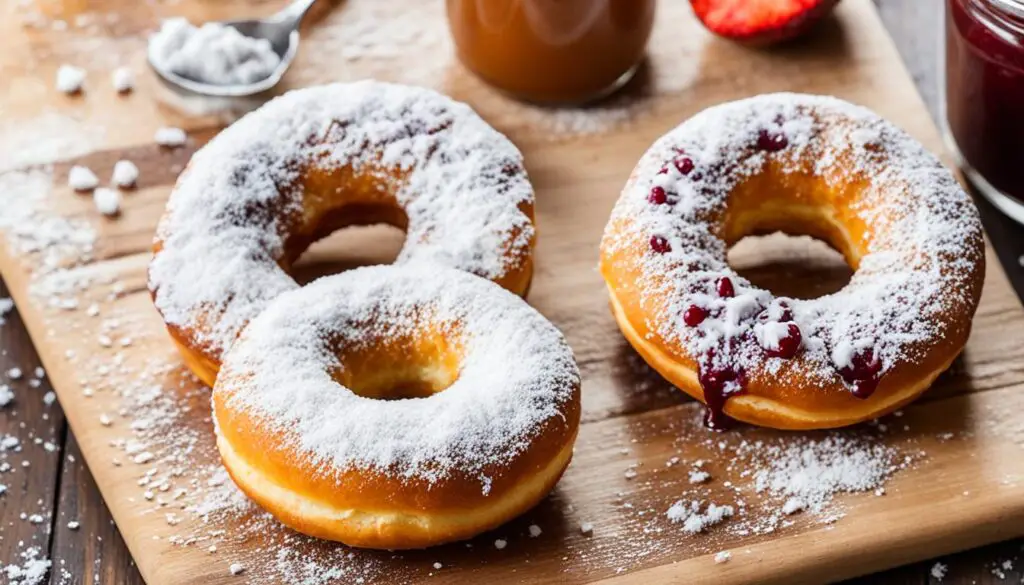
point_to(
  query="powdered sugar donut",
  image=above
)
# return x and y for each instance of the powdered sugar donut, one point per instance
(397, 407)
(319, 159)
(803, 165)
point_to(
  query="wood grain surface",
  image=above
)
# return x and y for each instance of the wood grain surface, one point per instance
(621, 405)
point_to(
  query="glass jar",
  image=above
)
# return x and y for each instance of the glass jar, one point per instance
(985, 97)
(552, 51)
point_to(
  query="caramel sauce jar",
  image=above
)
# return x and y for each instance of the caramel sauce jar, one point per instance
(552, 51)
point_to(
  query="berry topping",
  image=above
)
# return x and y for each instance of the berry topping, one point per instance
(862, 373)
(684, 164)
(725, 288)
(660, 244)
(694, 315)
(657, 196)
(760, 21)
(779, 312)
(772, 141)
(785, 345)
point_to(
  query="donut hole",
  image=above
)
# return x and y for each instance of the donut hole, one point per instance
(789, 234)
(339, 237)
(346, 249)
(401, 368)
(794, 266)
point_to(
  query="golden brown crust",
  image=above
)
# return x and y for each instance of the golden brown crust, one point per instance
(375, 511)
(335, 199)
(796, 197)
(505, 434)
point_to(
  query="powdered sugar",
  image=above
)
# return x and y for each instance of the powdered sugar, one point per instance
(213, 53)
(808, 474)
(31, 570)
(919, 263)
(81, 178)
(170, 137)
(125, 174)
(107, 201)
(122, 79)
(696, 517)
(463, 188)
(70, 79)
(516, 376)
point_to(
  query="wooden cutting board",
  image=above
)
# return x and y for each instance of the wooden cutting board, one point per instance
(143, 423)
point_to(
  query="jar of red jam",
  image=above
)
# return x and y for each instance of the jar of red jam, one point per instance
(985, 97)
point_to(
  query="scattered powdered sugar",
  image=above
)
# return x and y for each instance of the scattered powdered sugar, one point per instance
(45, 138)
(517, 374)
(921, 257)
(213, 53)
(6, 305)
(51, 242)
(125, 174)
(938, 571)
(70, 79)
(107, 201)
(462, 192)
(122, 79)
(696, 517)
(31, 570)
(809, 473)
(170, 137)
(81, 178)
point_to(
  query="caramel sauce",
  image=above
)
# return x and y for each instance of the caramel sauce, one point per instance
(553, 51)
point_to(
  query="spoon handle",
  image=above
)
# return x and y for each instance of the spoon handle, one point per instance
(294, 12)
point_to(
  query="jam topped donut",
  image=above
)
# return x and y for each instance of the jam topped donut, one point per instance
(319, 159)
(808, 165)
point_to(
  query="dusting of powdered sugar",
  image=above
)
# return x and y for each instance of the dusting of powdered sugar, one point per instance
(50, 241)
(922, 252)
(517, 374)
(223, 235)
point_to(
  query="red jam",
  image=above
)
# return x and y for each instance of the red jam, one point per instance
(658, 196)
(863, 373)
(788, 345)
(725, 288)
(771, 141)
(684, 164)
(985, 93)
(718, 386)
(694, 315)
(660, 244)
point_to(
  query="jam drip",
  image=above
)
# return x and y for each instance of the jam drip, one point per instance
(721, 380)
(720, 384)
(863, 373)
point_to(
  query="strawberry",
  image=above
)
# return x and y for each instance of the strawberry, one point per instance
(760, 22)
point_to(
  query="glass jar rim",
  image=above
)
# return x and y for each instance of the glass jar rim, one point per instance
(1009, 7)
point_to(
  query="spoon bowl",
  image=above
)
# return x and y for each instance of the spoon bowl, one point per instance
(280, 29)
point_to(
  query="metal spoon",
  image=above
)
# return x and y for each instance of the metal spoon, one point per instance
(281, 29)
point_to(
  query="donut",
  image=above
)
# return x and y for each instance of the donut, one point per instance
(316, 160)
(803, 165)
(397, 407)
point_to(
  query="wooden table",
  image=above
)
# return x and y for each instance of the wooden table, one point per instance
(84, 544)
